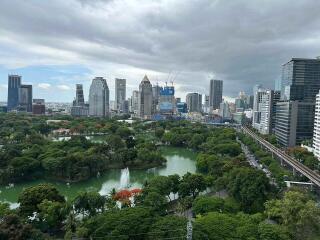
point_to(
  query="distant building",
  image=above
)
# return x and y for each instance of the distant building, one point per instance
(125, 107)
(224, 111)
(99, 98)
(182, 107)
(167, 100)
(145, 99)
(3, 109)
(14, 83)
(25, 98)
(194, 102)
(79, 101)
(256, 113)
(135, 102)
(215, 96)
(156, 98)
(79, 108)
(268, 112)
(120, 93)
(38, 107)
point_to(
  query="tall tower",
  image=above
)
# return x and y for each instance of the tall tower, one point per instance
(215, 96)
(300, 84)
(145, 98)
(14, 83)
(79, 95)
(25, 98)
(120, 93)
(99, 98)
(194, 102)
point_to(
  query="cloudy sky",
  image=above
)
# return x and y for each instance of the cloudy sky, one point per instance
(56, 44)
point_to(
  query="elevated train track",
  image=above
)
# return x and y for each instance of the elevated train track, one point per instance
(296, 165)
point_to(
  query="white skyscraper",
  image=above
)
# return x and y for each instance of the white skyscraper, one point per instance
(99, 98)
(316, 130)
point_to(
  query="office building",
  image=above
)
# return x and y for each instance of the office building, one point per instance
(182, 107)
(38, 107)
(206, 105)
(224, 111)
(14, 83)
(145, 99)
(156, 98)
(134, 102)
(300, 84)
(167, 100)
(25, 98)
(215, 96)
(268, 111)
(99, 98)
(120, 93)
(316, 129)
(256, 112)
(294, 122)
(79, 108)
(79, 101)
(194, 102)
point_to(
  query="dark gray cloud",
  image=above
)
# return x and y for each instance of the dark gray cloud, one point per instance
(242, 42)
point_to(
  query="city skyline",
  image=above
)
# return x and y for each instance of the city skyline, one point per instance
(165, 40)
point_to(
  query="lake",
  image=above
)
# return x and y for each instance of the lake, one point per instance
(179, 161)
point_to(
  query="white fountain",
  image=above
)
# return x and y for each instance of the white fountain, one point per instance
(125, 178)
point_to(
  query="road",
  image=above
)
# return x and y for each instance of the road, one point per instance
(296, 165)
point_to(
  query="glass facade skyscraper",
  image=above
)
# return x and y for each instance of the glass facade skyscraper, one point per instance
(300, 84)
(14, 83)
(215, 96)
(99, 98)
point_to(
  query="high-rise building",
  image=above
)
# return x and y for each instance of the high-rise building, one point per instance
(206, 106)
(25, 98)
(145, 99)
(300, 84)
(294, 122)
(182, 107)
(268, 112)
(79, 101)
(120, 93)
(38, 106)
(224, 111)
(79, 108)
(99, 98)
(167, 100)
(316, 129)
(135, 102)
(300, 79)
(256, 111)
(156, 98)
(194, 102)
(215, 96)
(14, 83)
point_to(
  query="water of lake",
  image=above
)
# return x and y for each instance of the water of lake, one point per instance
(179, 161)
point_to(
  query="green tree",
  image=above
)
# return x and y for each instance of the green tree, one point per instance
(298, 213)
(89, 203)
(192, 185)
(11, 227)
(203, 205)
(31, 197)
(168, 227)
(250, 187)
